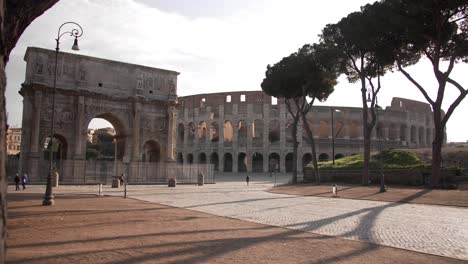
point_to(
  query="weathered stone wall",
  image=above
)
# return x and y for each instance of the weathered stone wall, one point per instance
(247, 131)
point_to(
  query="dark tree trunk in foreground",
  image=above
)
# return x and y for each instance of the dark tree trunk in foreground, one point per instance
(15, 17)
(310, 135)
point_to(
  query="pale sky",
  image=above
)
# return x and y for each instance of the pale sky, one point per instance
(216, 45)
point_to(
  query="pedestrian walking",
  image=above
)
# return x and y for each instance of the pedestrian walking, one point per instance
(17, 182)
(247, 179)
(25, 180)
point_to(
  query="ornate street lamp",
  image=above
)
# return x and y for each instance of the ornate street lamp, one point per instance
(76, 32)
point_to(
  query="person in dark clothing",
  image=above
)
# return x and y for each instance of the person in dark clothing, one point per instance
(247, 179)
(24, 180)
(17, 182)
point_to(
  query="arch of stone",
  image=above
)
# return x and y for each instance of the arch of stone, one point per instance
(140, 102)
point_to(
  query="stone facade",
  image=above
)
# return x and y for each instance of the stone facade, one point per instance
(13, 141)
(139, 101)
(251, 132)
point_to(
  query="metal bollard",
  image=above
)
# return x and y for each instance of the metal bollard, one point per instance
(125, 189)
(100, 189)
(335, 190)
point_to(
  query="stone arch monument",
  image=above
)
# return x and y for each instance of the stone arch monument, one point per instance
(139, 101)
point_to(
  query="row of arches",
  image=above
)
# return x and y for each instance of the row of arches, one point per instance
(274, 162)
(352, 130)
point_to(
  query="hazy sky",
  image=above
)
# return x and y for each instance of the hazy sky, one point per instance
(216, 45)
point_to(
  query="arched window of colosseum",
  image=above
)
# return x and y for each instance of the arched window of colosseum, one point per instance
(203, 102)
(274, 100)
(339, 129)
(324, 130)
(242, 130)
(305, 137)
(288, 162)
(180, 158)
(422, 137)
(354, 129)
(214, 160)
(379, 129)
(202, 130)
(227, 131)
(274, 131)
(242, 97)
(289, 129)
(413, 134)
(202, 158)
(242, 162)
(257, 162)
(190, 159)
(339, 156)
(274, 162)
(214, 137)
(180, 133)
(306, 159)
(228, 98)
(191, 135)
(151, 151)
(323, 157)
(257, 129)
(392, 132)
(403, 133)
(227, 162)
(428, 137)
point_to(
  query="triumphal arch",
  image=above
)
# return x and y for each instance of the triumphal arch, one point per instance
(139, 101)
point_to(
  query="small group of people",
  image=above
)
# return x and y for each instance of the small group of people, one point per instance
(24, 180)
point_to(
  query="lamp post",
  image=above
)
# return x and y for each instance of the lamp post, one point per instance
(332, 111)
(76, 32)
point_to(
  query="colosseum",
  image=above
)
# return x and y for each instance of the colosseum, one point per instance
(251, 131)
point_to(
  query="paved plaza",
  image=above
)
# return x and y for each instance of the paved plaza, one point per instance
(439, 230)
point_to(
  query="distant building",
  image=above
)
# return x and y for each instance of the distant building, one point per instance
(13, 141)
(93, 134)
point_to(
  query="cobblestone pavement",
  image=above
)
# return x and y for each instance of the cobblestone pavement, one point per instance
(439, 230)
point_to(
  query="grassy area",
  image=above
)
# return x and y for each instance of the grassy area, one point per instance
(389, 159)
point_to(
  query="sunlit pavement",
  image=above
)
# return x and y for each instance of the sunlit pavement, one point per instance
(439, 230)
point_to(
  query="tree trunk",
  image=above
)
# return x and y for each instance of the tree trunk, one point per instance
(310, 135)
(296, 144)
(366, 134)
(437, 147)
(15, 16)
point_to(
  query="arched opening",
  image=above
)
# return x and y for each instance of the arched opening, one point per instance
(413, 134)
(289, 130)
(202, 131)
(288, 162)
(428, 137)
(305, 136)
(257, 129)
(242, 162)
(257, 162)
(306, 159)
(190, 159)
(214, 137)
(403, 133)
(242, 130)
(227, 131)
(227, 162)
(274, 162)
(422, 137)
(274, 131)
(354, 130)
(151, 151)
(380, 131)
(214, 160)
(323, 157)
(324, 130)
(191, 132)
(101, 141)
(59, 148)
(392, 132)
(339, 129)
(180, 134)
(180, 158)
(202, 158)
(339, 156)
